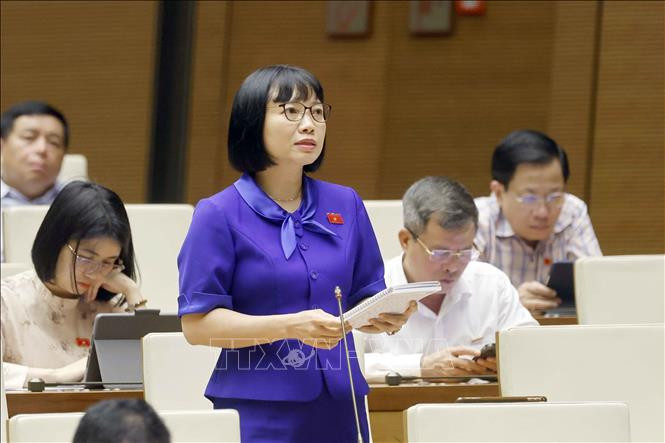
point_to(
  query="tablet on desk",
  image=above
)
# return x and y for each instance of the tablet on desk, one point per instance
(562, 280)
(115, 352)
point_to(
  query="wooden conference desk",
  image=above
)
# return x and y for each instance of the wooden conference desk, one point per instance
(550, 321)
(386, 403)
(24, 402)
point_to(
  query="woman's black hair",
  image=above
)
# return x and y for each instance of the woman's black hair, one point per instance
(82, 210)
(525, 146)
(247, 152)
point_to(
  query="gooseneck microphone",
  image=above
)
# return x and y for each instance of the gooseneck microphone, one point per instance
(338, 296)
(38, 385)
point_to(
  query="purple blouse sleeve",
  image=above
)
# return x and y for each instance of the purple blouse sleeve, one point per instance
(206, 262)
(368, 269)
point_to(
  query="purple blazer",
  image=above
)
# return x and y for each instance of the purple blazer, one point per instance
(244, 252)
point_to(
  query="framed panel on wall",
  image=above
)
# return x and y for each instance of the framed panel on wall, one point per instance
(349, 18)
(430, 17)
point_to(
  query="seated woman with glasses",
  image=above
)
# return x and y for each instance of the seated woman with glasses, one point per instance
(259, 267)
(445, 335)
(83, 260)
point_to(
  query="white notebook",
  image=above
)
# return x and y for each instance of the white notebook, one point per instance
(391, 300)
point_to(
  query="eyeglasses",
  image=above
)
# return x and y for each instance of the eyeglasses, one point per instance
(90, 266)
(555, 199)
(294, 112)
(446, 255)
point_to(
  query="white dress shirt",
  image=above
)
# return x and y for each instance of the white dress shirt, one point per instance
(482, 302)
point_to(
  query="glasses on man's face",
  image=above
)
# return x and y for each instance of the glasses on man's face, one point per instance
(555, 199)
(294, 112)
(446, 255)
(90, 266)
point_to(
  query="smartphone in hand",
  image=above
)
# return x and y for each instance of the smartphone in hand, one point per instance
(486, 351)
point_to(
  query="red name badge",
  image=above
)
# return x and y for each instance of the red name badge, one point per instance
(82, 342)
(335, 218)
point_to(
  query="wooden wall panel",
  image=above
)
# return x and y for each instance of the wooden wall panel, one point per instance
(452, 99)
(208, 112)
(352, 72)
(627, 188)
(94, 61)
(571, 99)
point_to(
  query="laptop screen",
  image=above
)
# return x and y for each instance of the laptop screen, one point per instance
(115, 352)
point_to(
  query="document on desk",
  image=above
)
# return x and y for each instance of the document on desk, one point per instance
(391, 300)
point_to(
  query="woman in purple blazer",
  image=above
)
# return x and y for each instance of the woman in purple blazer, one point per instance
(260, 263)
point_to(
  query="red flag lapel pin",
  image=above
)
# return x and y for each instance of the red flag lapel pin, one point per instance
(82, 342)
(335, 218)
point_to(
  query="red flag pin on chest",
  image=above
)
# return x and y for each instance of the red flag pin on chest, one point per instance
(547, 261)
(335, 218)
(82, 342)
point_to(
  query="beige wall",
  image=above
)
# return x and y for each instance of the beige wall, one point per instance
(589, 74)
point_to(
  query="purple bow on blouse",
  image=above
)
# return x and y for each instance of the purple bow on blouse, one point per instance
(293, 223)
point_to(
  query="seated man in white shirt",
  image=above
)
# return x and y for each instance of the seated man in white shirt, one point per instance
(449, 328)
(33, 139)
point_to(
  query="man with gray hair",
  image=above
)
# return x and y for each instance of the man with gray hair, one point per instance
(448, 329)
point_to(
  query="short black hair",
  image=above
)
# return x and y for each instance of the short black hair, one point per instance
(82, 210)
(122, 420)
(525, 146)
(247, 153)
(31, 107)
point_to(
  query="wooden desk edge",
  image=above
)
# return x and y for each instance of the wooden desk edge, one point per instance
(24, 402)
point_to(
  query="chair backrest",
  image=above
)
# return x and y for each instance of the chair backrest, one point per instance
(387, 219)
(52, 428)
(589, 363)
(221, 425)
(167, 357)
(74, 167)
(158, 231)
(359, 341)
(4, 415)
(9, 269)
(526, 421)
(620, 289)
(19, 227)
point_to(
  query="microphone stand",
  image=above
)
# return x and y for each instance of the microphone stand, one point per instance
(338, 296)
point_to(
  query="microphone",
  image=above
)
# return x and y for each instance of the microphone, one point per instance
(338, 296)
(395, 378)
(38, 384)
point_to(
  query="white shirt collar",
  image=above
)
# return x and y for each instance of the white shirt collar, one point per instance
(394, 275)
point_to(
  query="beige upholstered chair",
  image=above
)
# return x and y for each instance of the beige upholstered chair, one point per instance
(620, 289)
(9, 269)
(74, 167)
(589, 363)
(4, 415)
(512, 422)
(175, 373)
(387, 219)
(222, 425)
